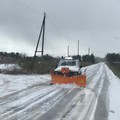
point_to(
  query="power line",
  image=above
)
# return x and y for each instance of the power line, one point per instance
(57, 29)
(47, 18)
(28, 7)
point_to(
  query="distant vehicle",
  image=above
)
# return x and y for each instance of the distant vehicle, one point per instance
(68, 71)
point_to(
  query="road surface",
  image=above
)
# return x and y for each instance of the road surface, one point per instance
(25, 97)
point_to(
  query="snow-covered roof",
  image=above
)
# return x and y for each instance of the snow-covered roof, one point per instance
(68, 58)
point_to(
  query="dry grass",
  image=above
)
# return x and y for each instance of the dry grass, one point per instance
(115, 67)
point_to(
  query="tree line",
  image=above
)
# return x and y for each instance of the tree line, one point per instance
(113, 57)
(41, 64)
(85, 58)
(12, 54)
(110, 57)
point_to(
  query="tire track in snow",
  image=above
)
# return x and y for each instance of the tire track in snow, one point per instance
(25, 99)
(48, 105)
(61, 108)
(91, 73)
(17, 95)
(97, 90)
(5, 96)
(83, 111)
(102, 111)
(96, 78)
(35, 105)
(79, 111)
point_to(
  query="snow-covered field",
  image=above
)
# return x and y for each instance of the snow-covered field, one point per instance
(30, 97)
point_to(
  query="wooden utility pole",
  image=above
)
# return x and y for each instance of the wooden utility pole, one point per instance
(42, 32)
(43, 35)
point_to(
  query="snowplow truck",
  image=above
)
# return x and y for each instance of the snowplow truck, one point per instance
(68, 71)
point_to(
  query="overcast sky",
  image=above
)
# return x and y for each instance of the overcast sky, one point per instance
(95, 23)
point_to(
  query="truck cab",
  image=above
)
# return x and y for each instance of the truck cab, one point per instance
(68, 66)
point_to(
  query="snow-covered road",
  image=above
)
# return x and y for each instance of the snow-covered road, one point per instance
(30, 97)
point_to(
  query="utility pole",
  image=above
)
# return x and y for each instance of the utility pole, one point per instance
(88, 51)
(68, 51)
(42, 32)
(78, 47)
(43, 35)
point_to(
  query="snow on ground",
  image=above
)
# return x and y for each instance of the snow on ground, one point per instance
(34, 91)
(114, 95)
(114, 89)
(9, 67)
(10, 83)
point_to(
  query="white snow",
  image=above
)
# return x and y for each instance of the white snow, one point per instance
(114, 94)
(9, 67)
(10, 84)
(114, 89)
(72, 68)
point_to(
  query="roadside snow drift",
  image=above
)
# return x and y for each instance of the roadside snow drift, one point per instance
(9, 67)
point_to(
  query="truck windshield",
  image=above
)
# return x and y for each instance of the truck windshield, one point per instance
(68, 63)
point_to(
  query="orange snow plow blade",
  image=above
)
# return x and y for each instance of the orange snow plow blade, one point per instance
(79, 80)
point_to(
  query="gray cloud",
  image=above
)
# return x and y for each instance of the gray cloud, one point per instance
(94, 23)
